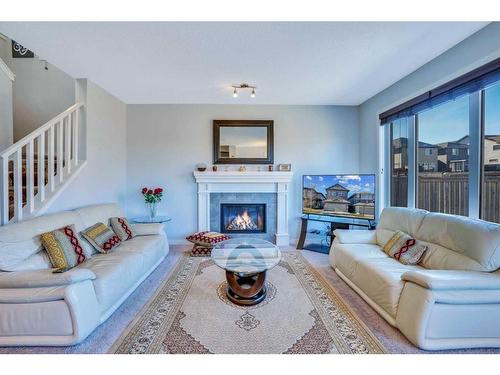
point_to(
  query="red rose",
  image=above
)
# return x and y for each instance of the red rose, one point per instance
(150, 191)
(144, 190)
(157, 191)
(160, 190)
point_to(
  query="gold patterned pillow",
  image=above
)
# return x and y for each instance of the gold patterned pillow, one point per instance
(63, 247)
(404, 248)
(101, 237)
(122, 228)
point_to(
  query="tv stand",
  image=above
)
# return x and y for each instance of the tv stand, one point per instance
(336, 222)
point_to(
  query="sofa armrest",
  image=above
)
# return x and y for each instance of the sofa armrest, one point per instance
(44, 278)
(355, 236)
(453, 280)
(147, 229)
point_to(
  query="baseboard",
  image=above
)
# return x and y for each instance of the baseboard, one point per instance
(179, 242)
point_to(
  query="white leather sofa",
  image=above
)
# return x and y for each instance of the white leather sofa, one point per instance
(38, 307)
(451, 299)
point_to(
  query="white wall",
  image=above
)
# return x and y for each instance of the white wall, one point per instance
(165, 142)
(6, 125)
(38, 94)
(472, 52)
(103, 180)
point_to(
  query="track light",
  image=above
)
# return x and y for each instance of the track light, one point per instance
(243, 86)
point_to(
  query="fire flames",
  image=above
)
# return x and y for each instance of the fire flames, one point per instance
(242, 222)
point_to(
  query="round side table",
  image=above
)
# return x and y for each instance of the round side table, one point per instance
(149, 220)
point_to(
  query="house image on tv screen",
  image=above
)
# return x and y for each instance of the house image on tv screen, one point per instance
(339, 195)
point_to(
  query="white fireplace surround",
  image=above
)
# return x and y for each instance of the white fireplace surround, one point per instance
(245, 182)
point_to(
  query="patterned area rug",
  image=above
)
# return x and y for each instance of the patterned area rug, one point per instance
(190, 313)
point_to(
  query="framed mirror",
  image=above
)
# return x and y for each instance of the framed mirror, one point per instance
(243, 141)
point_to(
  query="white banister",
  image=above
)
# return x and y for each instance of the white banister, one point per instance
(53, 151)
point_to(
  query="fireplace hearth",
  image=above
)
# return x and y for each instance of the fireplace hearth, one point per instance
(243, 217)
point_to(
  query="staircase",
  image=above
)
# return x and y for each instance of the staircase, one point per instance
(37, 168)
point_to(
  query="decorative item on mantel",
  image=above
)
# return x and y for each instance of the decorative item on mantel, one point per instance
(201, 167)
(284, 167)
(214, 168)
(152, 197)
(270, 168)
(242, 168)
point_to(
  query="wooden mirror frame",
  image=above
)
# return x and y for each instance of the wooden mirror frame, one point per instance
(268, 124)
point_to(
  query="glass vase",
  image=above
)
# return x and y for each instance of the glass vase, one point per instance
(152, 210)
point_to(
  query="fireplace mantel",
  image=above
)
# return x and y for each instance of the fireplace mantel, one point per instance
(245, 182)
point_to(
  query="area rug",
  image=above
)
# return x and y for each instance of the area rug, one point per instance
(190, 313)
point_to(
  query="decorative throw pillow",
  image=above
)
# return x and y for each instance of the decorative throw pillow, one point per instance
(63, 247)
(101, 237)
(201, 251)
(404, 248)
(207, 238)
(122, 228)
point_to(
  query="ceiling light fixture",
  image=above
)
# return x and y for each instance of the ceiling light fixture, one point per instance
(243, 86)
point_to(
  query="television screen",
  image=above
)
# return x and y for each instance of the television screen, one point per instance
(344, 195)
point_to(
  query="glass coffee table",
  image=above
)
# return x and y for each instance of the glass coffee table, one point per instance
(246, 261)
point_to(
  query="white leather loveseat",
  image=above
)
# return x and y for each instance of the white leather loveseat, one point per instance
(38, 307)
(451, 299)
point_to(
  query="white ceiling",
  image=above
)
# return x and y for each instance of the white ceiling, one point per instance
(290, 63)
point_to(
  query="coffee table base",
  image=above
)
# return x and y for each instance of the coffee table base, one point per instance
(246, 290)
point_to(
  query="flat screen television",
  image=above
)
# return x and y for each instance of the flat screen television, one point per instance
(342, 195)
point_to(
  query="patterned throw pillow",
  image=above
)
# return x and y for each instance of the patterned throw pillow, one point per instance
(101, 237)
(63, 247)
(207, 238)
(122, 228)
(404, 248)
(201, 251)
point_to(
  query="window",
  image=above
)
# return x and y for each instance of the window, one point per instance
(399, 161)
(490, 205)
(453, 147)
(444, 188)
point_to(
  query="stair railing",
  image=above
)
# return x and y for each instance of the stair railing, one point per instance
(52, 151)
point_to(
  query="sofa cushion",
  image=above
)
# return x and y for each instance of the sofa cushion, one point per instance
(393, 219)
(118, 271)
(20, 241)
(475, 239)
(99, 213)
(380, 279)
(345, 256)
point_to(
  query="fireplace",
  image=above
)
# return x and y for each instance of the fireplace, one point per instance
(243, 217)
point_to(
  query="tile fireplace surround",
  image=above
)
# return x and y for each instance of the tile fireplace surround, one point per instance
(245, 182)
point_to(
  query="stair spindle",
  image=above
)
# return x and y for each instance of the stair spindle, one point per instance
(18, 185)
(5, 190)
(41, 168)
(59, 161)
(30, 177)
(75, 138)
(50, 139)
(67, 144)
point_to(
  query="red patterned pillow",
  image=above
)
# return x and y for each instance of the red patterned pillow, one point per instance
(201, 251)
(207, 238)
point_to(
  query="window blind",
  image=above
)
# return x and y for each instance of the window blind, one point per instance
(475, 80)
